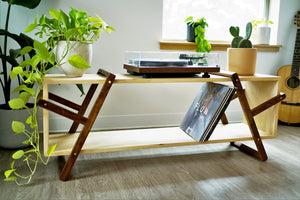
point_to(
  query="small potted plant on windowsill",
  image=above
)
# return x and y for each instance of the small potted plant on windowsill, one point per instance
(241, 57)
(196, 33)
(261, 31)
(32, 72)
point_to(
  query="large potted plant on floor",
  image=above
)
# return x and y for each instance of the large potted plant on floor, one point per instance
(241, 57)
(10, 57)
(44, 60)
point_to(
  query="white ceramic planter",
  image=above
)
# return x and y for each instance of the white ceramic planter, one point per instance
(82, 49)
(242, 60)
(262, 35)
(8, 138)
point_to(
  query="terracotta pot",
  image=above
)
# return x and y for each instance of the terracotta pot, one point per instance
(82, 49)
(242, 60)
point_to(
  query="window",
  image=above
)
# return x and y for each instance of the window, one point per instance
(219, 14)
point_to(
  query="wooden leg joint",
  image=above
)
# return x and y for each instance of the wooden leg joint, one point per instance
(67, 167)
(248, 150)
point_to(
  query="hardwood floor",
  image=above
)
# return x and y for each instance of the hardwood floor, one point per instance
(211, 171)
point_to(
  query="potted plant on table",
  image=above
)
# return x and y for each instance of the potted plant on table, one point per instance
(241, 57)
(261, 31)
(10, 57)
(45, 58)
(73, 35)
(196, 33)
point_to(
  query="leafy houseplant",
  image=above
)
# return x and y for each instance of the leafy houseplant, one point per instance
(9, 58)
(43, 61)
(10, 48)
(241, 56)
(70, 29)
(261, 31)
(197, 29)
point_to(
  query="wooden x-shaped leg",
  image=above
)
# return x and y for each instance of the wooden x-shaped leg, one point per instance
(78, 118)
(249, 116)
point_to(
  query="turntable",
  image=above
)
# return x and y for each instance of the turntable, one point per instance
(169, 64)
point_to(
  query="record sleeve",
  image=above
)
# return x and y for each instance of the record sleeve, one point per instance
(206, 110)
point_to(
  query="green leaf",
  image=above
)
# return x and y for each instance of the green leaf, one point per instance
(36, 77)
(51, 59)
(11, 178)
(15, 71)
(16, 104)
(14, 53)
(26, 50)
(25, 3)
(41, 50)
(94, 19)
(109, 29)
(42, 20)
(12, 164)
(19, 154)
(64, 18)
(78, 62)
(25, 96)
(30, 28)
(35, 60)
(29, 120)
(24, 88)
(70, 33)
(7, 173)
(188, 19)
(26, 142)
(26, 63)
(80, 87)
(51, 150)
(18, 127)
(54, 14)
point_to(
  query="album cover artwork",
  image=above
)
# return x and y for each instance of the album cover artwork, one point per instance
(206, 110)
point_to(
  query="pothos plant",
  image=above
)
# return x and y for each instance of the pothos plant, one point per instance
(77, 26)
(199, 26)
(10, 58)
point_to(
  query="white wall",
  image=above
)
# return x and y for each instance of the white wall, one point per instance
(138, 26)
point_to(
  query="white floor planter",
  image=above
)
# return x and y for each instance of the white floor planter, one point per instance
(8, 139)
(82, 49)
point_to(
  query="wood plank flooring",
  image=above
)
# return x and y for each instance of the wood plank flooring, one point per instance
(210, 171)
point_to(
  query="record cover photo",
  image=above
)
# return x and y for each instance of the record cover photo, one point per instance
(206, 110)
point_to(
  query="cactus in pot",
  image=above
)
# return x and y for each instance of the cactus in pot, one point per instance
(238, 41)
(241, 57)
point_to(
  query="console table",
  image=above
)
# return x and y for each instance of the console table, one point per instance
(258, 99)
